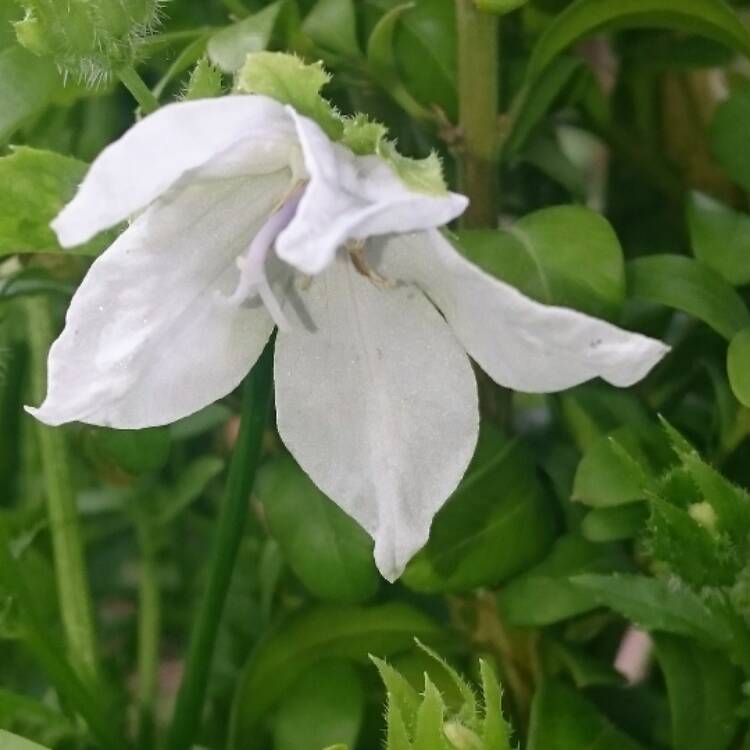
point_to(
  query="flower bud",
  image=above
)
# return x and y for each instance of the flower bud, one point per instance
(461, 737)
(88, 39)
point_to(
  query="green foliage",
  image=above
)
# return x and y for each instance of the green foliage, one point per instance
(582, 527)
(421, 721)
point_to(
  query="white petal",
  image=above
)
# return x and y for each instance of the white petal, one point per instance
(378, 405)
(522, 344)
(352, 197)
(151, 156)
(149, 336)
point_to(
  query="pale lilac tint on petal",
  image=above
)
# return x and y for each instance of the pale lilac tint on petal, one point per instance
(522, 344)
(150, 157)
(377, 402)
(352, 197)
(149, 337)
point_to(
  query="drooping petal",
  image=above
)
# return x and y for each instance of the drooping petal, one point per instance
(522, 344)
(149, 336)
(152, 155)
(378, 404)
(352, 197)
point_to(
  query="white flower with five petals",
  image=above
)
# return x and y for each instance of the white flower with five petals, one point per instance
(248, 216)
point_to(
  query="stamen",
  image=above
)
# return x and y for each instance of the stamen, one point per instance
(251, 264)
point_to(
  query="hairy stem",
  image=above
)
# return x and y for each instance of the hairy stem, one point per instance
(76, 609)
(140, 92)
(478, 103)
(226, 544)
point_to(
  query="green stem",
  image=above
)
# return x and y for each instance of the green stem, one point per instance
(76, 608)
(226, 543)
(136, 86)
(478, 105)
(149, 625)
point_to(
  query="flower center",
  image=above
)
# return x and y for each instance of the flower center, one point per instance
(252, 263)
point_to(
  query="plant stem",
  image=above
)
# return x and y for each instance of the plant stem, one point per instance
(226, 543)
(136, 86)
(478, 103)
(73, 592)
(149, 624)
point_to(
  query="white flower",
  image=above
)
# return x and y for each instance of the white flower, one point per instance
(375, 394)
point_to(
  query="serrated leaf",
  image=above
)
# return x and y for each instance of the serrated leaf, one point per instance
(400, 693)
(289, 80)
(397, 737)
(658, 605)
(545, 594)
(428, 734)
(495, 729)
(690, 286)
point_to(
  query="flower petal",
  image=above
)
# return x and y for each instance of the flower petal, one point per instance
(151, 156)
(522, 344)
(149, 336)
(352, 197)
(378, 404)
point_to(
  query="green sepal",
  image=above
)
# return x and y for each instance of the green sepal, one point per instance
(290, 80)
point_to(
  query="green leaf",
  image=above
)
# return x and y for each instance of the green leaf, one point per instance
(34, 186)
(205, 81)
(332, 25)
(27, 83)
(400, 693)
(495, 729)
(621, 467)
(325, 706)
(325, 632)
(229, 47)
(289, 80)
(614, 524)
(474, 539)
(428, 734)
(704, 692)
(500, 7)
(328, 551)
(711, 18)
(423, 43)
(653, 604)
(134, 451)
(720, 237)
(532, 108)
(10, 741)
(191, 484)
(738, 366)
(729, 135)
(686, 284)
(562, 720)
(545, 594)
(566, 255)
